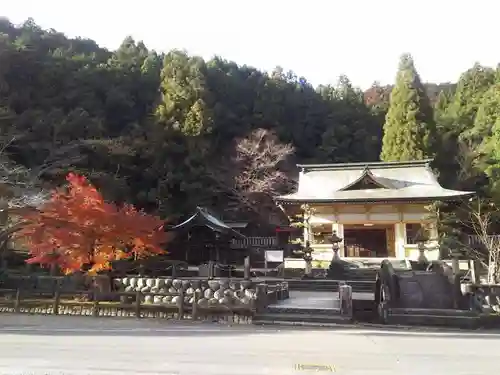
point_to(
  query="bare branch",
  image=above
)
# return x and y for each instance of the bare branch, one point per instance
(258, 159)
(20, 187)
(479, 220)
(255, 171)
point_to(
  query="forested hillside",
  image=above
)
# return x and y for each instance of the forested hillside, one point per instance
(171, 131)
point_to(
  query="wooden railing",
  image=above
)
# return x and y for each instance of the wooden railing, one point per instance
(264, 242)
(473, 240)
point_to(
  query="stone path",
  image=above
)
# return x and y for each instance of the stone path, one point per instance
(39, 345)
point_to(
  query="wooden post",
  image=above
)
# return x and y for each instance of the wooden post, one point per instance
(95, 305)
(246, 268)
(57, 299)
(475, 271)
(345, 299)
(261, 295)
(174, 269)
(180, 303)
(457, 292)
(210, 269)
(455, 265)
(138, 297)
(17, 302)
(194, 310)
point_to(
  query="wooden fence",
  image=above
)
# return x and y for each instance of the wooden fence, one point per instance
(132, 304)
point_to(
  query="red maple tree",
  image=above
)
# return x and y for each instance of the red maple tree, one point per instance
(77, 230)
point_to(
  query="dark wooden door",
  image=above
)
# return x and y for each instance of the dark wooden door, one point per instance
(366, 242)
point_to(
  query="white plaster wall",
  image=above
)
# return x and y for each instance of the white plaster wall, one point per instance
(415, 216)
(352, 218)
(322, 219)
(384, 217)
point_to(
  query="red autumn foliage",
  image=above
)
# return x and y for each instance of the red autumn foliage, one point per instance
(77, 230)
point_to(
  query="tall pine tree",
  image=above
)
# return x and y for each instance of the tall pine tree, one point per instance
(409, 129)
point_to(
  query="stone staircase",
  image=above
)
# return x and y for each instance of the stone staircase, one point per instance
(306, 308)
(316, 302)
(301, 317)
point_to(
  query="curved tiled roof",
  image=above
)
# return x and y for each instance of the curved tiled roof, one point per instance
(392, 181)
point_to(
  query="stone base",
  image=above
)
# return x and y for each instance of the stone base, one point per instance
(434, 317)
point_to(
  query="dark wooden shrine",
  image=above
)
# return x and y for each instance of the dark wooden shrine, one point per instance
(203, 237)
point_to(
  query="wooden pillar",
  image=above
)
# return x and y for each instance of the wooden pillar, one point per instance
(400, 240)
(390, 236)
(246, 268)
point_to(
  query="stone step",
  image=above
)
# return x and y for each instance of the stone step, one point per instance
(434, 317)
(363, 304)
(301, 319)
(301, 310)
(300, 324)
(432, 312)
(356, 273)
(330, 285)
(360, 277)
(432, 320)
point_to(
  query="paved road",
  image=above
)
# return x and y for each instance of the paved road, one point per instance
(90, 346)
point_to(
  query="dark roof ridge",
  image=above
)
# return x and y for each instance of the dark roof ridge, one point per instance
(366, 173)
(367, 165)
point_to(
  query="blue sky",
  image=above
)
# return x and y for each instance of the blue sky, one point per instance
(319, 39)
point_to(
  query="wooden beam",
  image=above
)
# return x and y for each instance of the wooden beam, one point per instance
(335, 214)
(368, 208)
(401, 210)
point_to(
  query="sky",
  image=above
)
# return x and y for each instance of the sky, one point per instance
(317, 39)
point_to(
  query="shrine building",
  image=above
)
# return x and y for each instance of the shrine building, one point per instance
(376, 208)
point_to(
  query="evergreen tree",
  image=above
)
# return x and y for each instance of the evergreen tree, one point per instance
(484, 137)
(471, 88)
(441, 111)
(184, 104)
(486, 117)
(409, 129)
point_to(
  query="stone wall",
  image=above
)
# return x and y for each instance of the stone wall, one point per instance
(211, 293)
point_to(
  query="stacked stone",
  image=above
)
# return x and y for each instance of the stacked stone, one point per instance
(227, 293)
(210, 293)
